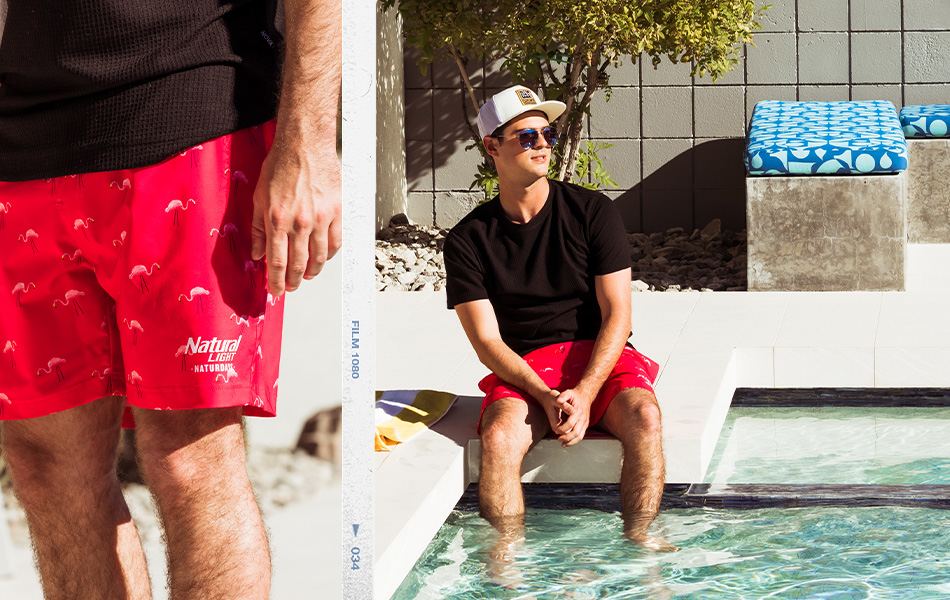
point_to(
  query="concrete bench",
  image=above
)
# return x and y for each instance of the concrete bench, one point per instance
(825, 196)
(927, 128)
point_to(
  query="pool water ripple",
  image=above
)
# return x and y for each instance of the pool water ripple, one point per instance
(826, 552)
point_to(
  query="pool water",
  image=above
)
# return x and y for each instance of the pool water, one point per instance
(883, 446)
(814, 552)
(817, 551)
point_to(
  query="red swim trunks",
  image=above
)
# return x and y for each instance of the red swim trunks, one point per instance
(561, 367)
(139, 282)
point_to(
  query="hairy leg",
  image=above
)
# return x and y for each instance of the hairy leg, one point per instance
(633, 417)
(194, 463)
(63, 469)
(510, 427)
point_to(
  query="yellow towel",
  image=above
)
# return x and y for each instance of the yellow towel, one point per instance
(401, 414)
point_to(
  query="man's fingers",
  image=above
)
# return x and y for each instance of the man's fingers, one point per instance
(277, 247)
(299, 247)
(258, 232)
(334, 237)
(318, 250)
(574, 437)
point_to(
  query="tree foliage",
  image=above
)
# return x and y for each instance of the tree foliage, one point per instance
(564, 48)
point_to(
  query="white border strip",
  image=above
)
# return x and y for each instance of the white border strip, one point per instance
(359, 293)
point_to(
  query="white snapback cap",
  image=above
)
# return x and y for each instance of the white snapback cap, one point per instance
(509, 103)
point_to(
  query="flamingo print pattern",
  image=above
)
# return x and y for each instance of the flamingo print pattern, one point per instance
(132, 279)
(4, 209)
(71, 296)
(76, 255)
(29, 237)
(196, 293)
(53, 365)
(83, 224)
(135, 327)
(20, 289)
(178, 206)
(142, 272)
(9, 347)
(228, 231)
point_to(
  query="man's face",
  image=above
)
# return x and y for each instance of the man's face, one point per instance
(513, 161)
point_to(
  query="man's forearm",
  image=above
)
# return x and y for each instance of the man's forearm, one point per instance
(607, 349)
(511, 368)
(310, 77)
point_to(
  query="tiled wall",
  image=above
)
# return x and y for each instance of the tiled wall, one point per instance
(677, 140)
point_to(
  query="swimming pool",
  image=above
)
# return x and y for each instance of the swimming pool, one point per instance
(836, 502)
(829, 552)
(833, 445)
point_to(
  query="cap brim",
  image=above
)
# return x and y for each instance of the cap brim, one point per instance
(552, 108)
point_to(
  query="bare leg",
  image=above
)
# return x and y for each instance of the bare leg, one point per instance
(84, 539)
(510, 427)
(194, 463)
(633, 417)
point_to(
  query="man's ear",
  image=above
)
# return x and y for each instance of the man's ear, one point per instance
(491, 145)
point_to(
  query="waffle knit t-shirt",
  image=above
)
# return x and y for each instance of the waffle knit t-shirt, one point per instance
(95, 85)
(539, 275)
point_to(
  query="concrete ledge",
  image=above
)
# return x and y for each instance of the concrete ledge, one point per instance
(928, 195)
(826, 233)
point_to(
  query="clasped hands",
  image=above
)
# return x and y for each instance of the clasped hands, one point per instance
(568, 413)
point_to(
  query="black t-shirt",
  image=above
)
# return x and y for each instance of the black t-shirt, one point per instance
(95, 85)
(539, 275)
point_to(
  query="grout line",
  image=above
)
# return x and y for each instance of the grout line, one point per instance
(850, 56)
(797, 59)
(903, 74)
(640, 191)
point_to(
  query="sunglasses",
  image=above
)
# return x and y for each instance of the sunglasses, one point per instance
(528, 138)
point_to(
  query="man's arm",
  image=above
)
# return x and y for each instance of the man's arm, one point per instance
(613, 297)
(481, 326)
(297, 200)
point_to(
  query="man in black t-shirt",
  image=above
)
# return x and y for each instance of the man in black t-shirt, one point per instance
(540, 279)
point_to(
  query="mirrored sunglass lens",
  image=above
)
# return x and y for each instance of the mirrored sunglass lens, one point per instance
(550, 135)
(528, 138)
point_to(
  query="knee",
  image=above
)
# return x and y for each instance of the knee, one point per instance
(642, 411)
(41, 468)
(501, 443)
(176, 456)
(647, 416)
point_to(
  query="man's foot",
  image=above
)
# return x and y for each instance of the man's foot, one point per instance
(636, 529)
(650, 542)
(502, 569)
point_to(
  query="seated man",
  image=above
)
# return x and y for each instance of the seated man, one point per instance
(540, 279)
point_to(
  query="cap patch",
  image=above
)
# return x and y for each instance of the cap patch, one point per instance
(526, 97)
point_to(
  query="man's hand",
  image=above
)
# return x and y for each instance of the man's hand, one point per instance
(576, 405)
(556, 414)
(296, 220)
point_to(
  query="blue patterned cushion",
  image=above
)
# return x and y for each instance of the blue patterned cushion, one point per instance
(825, 138)
(926, 120)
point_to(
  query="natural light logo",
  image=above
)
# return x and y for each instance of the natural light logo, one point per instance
(220, 353)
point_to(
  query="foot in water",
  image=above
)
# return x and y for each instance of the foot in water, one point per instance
(650, 542)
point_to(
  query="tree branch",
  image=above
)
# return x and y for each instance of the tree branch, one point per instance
(465, 80)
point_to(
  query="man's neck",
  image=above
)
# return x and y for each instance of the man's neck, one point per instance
(521, 202)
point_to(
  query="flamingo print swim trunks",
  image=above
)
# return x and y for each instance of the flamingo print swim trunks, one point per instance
(562, 365)
(139, 282)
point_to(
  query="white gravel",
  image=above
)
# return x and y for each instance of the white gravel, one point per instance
(409, 258)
